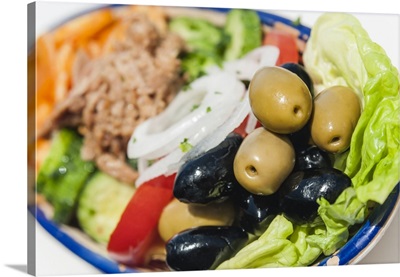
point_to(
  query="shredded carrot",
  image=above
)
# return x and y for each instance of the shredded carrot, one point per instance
(64, 62)
(95, 33)
(42, 150)
(117, 33)
(102, 36)
(94, 49)
(43, 110)
(83, 27)
(45, 68)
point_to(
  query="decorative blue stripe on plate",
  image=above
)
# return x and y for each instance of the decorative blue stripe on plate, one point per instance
(99, 261)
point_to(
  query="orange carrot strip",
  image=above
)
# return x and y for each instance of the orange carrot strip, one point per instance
(42, 150)
(64, 62)
(117, 33)
(45, 68)
(83, 27)
(43, 111)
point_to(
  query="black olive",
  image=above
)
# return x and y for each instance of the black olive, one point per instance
(209, 177)
(300, 71)
(300, 191)
(255, 212)
(246, 83)
(301, 139)
(312, 157)
(204, 247)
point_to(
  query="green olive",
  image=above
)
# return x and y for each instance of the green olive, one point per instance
(336, 113)
(178, 216)
(280, 100)
(263, 161)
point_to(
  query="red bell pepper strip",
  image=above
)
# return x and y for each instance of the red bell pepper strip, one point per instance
(137, 227)
(286, 44)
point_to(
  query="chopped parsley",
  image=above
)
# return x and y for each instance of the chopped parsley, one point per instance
(194, 107)
(185, 146)
(208, 109)
(133, 163)
(297, 22)
(186, 87)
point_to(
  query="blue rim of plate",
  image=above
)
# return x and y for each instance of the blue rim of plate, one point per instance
(368, 232)
(99, 261)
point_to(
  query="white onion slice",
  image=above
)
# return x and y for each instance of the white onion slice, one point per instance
(142, 164)
(216, 96)
(166, 165)
(245, 67)
(264, 56)
(205, 132)
(160, 167)
(251, 123)
(213, 139)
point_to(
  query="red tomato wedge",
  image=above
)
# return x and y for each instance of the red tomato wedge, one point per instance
(286, 44)
(241, 129)
(137, 227)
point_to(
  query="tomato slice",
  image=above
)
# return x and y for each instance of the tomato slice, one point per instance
(286, 44)
(241, 129)
(137, 227)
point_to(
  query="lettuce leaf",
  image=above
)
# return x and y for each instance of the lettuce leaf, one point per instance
(282, 245)
(379, 169)
(308, 252)
(338, 217)
(271, 249)
(340, 52)
(372, 161)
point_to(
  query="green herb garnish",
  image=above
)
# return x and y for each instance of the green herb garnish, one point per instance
(194, 107)
(185, 146)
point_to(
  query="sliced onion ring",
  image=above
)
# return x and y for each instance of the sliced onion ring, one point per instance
(221, 133)
(214, 97)
(160, 167)
(203, 141)
(165, 164)
(245, 67)
(263, 56)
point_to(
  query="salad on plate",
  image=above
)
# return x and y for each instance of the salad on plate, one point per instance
(194, 139)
